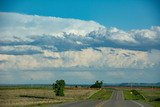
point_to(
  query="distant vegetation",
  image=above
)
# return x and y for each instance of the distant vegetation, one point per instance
(98, 84)
(140, 84)
(59, 87)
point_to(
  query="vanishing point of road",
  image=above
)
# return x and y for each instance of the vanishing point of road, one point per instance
(117, 100)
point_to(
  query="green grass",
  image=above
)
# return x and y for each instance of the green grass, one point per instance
(133, 95)
(152, 96)
(103, 94)
(155, 103)
(149, 96)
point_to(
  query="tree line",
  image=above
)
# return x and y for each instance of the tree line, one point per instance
(59, 85)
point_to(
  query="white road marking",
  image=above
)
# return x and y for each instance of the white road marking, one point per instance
(138, 103)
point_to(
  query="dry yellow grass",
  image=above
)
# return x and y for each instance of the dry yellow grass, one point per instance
(19, 97)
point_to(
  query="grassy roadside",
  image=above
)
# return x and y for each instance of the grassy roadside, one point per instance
(149, 96)
(25, 87)
(103, 94)
(38, 96)
(152, 97)
(133, 95)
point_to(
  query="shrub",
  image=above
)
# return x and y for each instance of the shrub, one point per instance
(137, 95)
(59, 87)
(97, 84)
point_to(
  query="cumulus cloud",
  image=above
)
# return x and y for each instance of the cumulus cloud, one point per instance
(20, 50)
(87, 58)
(14, 24)
(143, 39)
(147, 36)
(61, 42)
(18, 62)
(36, 42)
(154, 56)
(62, 34)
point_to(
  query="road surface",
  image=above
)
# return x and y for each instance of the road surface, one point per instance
(117, 100)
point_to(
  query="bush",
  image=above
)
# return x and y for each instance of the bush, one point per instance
(59, 87)
(135, 92)
(97, 84)
(137, 95)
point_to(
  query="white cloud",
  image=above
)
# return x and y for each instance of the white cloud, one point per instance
(154, 56)
(15, 27)
(35, 42)
(18, 62)
(14, 24)
(139, 37)
(120, 36)
(32, 34)
(147, 36)
(20, 50)
(101, 58)
(107, 57)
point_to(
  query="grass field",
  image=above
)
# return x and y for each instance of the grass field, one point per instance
(151, 96)
(38, 96)
(27, 96)
(103, 94)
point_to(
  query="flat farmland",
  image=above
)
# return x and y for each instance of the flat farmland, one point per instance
(25, 97)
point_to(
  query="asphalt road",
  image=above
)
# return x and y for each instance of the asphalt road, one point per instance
(117, 100)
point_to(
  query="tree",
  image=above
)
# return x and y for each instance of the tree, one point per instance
(98, 84)
(59, 87)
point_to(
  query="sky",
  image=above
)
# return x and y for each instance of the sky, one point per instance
(126, 15)
(80, 41)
